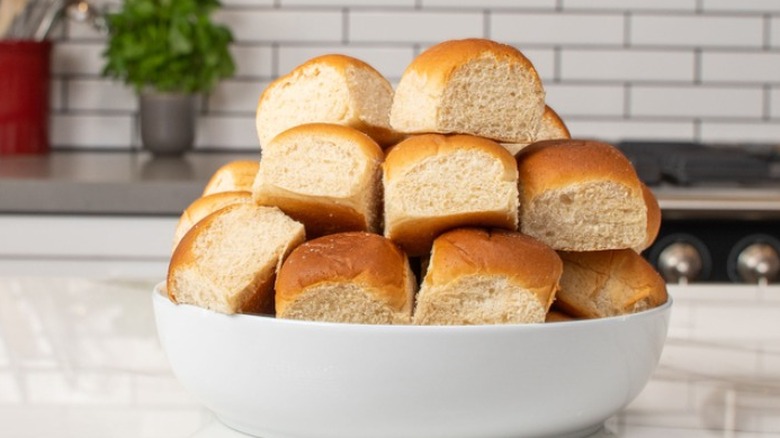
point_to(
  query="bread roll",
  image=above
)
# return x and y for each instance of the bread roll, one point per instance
(329, 89)
(580, 195)
(227, 261)
(608, 283)
(354, 277)
(433, 183)
(487, 277)
(558, 316)
(235, 176)
(653, 219)
(471, 86)
(326, 176)
(204, 206)
(551, 127)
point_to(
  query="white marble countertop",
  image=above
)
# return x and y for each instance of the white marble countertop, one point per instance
(79, 358)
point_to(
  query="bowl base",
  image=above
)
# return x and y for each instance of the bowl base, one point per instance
(596, 431)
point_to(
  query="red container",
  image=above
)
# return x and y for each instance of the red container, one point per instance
(24, 97)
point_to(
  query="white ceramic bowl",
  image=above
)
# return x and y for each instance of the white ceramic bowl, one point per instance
(280, 378)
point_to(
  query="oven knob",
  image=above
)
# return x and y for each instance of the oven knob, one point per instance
(680, 262)
(758, 263)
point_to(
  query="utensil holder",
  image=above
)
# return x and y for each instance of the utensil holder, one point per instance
(24, 97)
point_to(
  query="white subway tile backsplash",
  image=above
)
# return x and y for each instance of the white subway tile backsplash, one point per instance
(557, 28)
(248, 3)
(774, 35)
(77, 58)
(616, 130)
(543, 61)
(390, 61)
(774, 103)
(691, 30)
(627, 65)
(745, 67)
(696, 101)
(586, 100)
(252, 60)
(631, 5)
(92, 130)
(614, 69)
(100, 94)
(491, 4)
(348, 3)
(235, 132)
(759, 132)
(760, 6)
(413, 26)
(265, 25)
(236, 96)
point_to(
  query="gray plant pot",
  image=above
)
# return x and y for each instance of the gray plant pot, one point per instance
(167, 122)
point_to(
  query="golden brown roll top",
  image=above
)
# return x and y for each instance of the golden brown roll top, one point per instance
(599, 284)
(580, 196)
(347, 277)
(471, 86)
(332, 88)
(479, 276)
(433, 183)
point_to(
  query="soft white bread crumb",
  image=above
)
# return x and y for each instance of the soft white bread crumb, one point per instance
(326, 176)
(551, 127)
(353, 277)
(204, 206)
(235, 176)
(227, 262)
(599, 284)
(433, 183)
(580, 196)
(471, 86)
(328, 89)
(477, 276)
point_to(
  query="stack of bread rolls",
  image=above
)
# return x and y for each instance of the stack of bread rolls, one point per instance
(462, 172)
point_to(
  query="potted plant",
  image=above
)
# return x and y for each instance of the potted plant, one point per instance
(170, 51)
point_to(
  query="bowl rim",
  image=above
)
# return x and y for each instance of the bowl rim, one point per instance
(160, 298)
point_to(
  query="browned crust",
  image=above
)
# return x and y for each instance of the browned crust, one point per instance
(333, 131)
(653, 217)
(383, 135)
(476, 251)
(418, 147)
(319, 216)
(636, 281)
(357, 257)
(243, 172)
(552, 164)
(416, 235)
(439, 62)
(555, 315)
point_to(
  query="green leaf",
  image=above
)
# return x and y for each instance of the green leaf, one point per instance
(171, 45)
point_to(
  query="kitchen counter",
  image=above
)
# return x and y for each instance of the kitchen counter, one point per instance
(106, 182)
(80, 358)
(119, 182)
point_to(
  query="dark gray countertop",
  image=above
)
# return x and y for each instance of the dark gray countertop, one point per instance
(106, 182)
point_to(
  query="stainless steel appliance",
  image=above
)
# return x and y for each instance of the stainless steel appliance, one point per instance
(721, 210)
